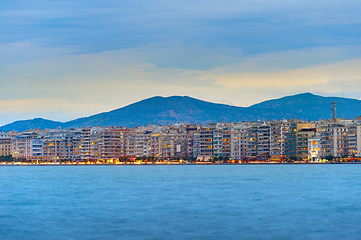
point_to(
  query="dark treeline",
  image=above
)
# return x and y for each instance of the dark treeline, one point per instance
(8, 158)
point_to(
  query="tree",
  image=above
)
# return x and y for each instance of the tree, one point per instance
(8, 158)
(329, 157)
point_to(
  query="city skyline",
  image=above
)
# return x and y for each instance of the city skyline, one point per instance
(274, 141)
(66, 60)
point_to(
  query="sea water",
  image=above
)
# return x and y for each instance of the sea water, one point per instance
(181, 202)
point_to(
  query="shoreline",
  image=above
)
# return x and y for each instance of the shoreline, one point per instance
(176, 164)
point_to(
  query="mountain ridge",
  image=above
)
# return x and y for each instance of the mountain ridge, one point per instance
(314, 106)
(169, 110)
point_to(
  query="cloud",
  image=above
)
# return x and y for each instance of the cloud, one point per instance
(345, 70)
(116, 78)
(250, 26)
(66, 59)
(241, 54)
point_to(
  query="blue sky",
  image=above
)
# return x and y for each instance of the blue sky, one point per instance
(66, 59)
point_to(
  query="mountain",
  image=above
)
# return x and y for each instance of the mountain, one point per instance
(23, 125)
(169, 110)
(159, 110)
(313, 107)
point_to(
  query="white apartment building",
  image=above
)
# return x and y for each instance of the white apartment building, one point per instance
(28, 146)
(314, 148)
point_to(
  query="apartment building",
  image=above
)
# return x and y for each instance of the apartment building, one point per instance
(217, 144)
(206, 143)
(302, 142)
(109, 143)
(237, 141)
(28, 146)
(258, 141)
(314, 148)
(172, 145)
(334, 140)
(226, 142)
(54, 146)
(283, 138)
(5, 144)
(192, 142)
(277, 141)
(358, 141)
(290, 132)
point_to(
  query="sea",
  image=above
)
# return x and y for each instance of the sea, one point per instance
(321, 201)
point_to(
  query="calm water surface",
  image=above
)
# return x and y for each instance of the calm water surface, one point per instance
(181, 202)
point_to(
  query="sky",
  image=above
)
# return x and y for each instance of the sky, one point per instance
(62, 60)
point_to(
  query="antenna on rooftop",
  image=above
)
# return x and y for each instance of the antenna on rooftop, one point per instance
(333, 104)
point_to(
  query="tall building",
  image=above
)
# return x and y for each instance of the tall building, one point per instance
(192, 141)
(236, 142)
(290, 138)
(111, 143)
(303, 135)
(314, 148)
(334, 140)
(5, 144)
(217, 144)
(352, 140)
(258, 141)
(171, 145)
(28, 146)
(226, 142)
(54, 146)
(277, 141)
(358, 141)
(206, 143)
(283, 138)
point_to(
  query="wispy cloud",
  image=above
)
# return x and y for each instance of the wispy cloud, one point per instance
(255, 26)
(117, 78)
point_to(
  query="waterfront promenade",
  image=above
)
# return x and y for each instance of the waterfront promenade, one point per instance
(173, 163)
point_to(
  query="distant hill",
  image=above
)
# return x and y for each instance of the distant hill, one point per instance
(169, 110)
(313, 107)
(23, 125)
